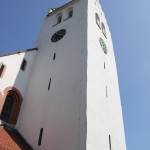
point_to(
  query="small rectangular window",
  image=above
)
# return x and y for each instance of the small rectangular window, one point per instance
(2, 69)
(110, 142)
(40, 137)
(104, 65)
(23, 65)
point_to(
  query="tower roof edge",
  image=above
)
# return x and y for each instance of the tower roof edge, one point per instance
(53, 10)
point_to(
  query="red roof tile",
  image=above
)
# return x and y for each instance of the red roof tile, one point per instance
(10, 139)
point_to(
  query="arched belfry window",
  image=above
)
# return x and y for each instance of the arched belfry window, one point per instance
(70, 13)
(97, 19)
(59, 18)
(103, 29)
(10, 109)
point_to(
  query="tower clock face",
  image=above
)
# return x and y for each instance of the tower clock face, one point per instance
(58, 35)
(103, 45)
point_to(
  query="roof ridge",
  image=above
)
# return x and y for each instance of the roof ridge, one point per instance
(18, 52)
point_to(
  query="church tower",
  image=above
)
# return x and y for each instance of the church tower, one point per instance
(72, 98)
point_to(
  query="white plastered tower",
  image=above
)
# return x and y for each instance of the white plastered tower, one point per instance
(73, 93)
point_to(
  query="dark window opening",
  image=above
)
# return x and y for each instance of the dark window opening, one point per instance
(103, 29)
(54, 57)
(59, 18)
(23, 65)
(109, 142)
(11, 106)
(40, 137)
(70, 13)
(49, 85)
(104, 65)
(2, 69)
(7, 108)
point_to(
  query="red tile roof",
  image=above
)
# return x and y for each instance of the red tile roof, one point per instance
(10, 139)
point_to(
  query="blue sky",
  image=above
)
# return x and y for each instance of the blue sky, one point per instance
(129, 22)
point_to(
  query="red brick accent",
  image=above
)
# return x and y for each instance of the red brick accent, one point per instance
(0, 95)
(12, 140)
(1, 102)
(17, 97)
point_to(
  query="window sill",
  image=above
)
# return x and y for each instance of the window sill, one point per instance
(67, 18)
(55, 24)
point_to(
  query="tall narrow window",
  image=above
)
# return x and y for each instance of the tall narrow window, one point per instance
(2, 69)
(23, 65)
(103, 29)
(7, 108)
(97, 20)
(110, 142)
(40, 137)
(49, 85)
(104, 65)
(11, 106)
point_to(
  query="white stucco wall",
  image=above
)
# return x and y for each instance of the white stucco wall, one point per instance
(13, 75)
(58, 110)
(75, 113)
(104, 114)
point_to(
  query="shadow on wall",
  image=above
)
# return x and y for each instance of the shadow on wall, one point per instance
(15, 71)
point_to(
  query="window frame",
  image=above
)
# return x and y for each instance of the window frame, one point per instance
(17, 101)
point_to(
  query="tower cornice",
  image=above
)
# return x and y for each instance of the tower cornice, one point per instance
(51, 11)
